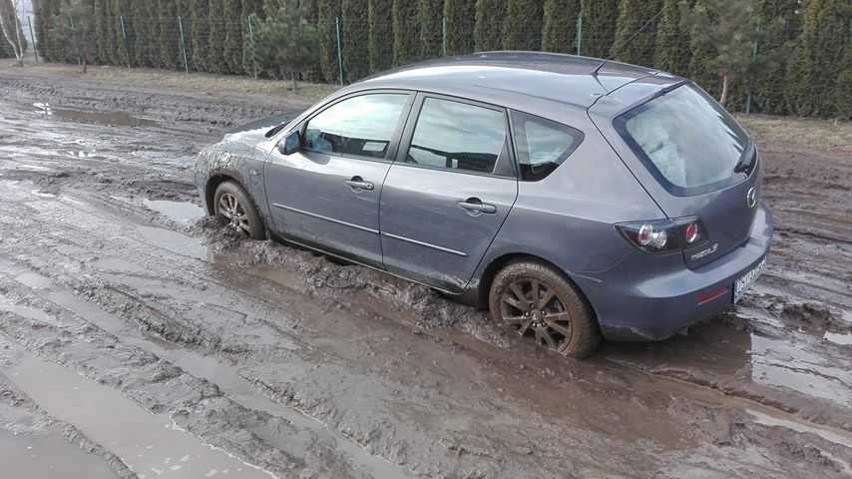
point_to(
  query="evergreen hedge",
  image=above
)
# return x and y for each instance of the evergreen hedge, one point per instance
(802, 64)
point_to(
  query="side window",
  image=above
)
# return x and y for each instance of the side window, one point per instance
(362, 126)
(458, 136)
(542, 144)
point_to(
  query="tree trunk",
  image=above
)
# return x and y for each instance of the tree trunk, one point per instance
(723, 97)
(16, 46)
(85, 65)
(17, 26)
(295, 82)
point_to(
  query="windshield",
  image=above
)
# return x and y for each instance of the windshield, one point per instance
(689, 142)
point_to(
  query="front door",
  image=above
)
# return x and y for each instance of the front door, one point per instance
(448, 192)
(327, 194)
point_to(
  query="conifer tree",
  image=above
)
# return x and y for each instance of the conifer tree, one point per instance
(781, 22)
(818, 56)
(123, 32)
(199, 33)
(843, 90)
(723, 34)
(104, 32)
(635, 31)
(488, 31)
(405, 32)
(431, 30)
(356, 30)
(560, 25)
(216, 37)
(599, 19)
(232, 49)
(327, 12)
(671, 51)
(522, 26)
(381, 33)
(169, 36)
(460, 16)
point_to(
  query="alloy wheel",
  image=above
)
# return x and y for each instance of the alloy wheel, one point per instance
(533, 308)
(232, 211)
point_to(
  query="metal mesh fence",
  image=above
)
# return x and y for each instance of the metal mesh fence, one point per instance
(766, 71)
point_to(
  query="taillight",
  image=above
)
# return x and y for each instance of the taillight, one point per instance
(663, 235)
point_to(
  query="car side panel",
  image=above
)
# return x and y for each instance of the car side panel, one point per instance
(567, 218)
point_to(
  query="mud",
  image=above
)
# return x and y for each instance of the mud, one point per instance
(262, 357)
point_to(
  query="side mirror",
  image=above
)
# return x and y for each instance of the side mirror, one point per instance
(291, 144)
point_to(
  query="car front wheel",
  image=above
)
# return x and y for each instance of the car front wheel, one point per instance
(234, 207)
(538, 301)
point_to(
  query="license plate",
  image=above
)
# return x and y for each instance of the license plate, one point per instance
(745, 281)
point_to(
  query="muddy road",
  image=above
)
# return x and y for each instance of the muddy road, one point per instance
(138, 340)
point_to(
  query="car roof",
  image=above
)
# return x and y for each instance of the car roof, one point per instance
(567, 79)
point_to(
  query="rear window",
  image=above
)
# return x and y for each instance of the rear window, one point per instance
(687, 140)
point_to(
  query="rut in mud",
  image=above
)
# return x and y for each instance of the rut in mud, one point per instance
(291, 365)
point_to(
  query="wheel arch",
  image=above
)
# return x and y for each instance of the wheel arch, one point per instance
(213, 181)
(490, 272)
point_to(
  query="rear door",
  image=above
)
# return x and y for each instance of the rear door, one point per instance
(327, 194)
(695, 160)
(449, 191)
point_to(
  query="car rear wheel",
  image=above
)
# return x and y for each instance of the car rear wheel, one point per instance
(232, 205)
(538, 301)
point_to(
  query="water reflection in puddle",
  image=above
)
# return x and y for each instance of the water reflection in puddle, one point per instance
(182, 212)
(110, 118)
(837, 338)
(791, 361)
(174, 242)
(27, 312)
(47, 457)
(783, 364)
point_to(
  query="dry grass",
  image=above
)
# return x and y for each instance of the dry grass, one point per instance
(825, 135)
(196, 82)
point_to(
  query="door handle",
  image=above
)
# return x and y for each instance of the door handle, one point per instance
(357, 183)
(475, 207)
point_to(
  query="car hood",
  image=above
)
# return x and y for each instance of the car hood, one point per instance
(257, 130)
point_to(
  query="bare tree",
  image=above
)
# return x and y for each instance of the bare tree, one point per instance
(10, 25)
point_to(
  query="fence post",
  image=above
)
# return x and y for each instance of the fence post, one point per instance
(32, 36)
(579, 41)
(183, 45)
(253, 49)
(124, 39)
(444, 35)
(339, 51)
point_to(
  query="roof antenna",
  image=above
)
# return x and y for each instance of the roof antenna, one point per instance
(635, 34)
(598, 68)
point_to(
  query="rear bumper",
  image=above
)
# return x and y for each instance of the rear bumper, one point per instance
(660, 305)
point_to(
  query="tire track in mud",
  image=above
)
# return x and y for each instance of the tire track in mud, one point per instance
(285, 444)
(68, 220)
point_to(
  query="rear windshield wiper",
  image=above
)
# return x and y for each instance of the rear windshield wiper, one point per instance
(746, 162)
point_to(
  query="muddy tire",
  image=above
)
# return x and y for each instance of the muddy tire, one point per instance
(235, 208)
(538, 301)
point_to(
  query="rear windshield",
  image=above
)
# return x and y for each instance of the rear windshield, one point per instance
(687, 140)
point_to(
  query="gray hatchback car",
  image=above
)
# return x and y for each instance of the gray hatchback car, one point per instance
(574, 197)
